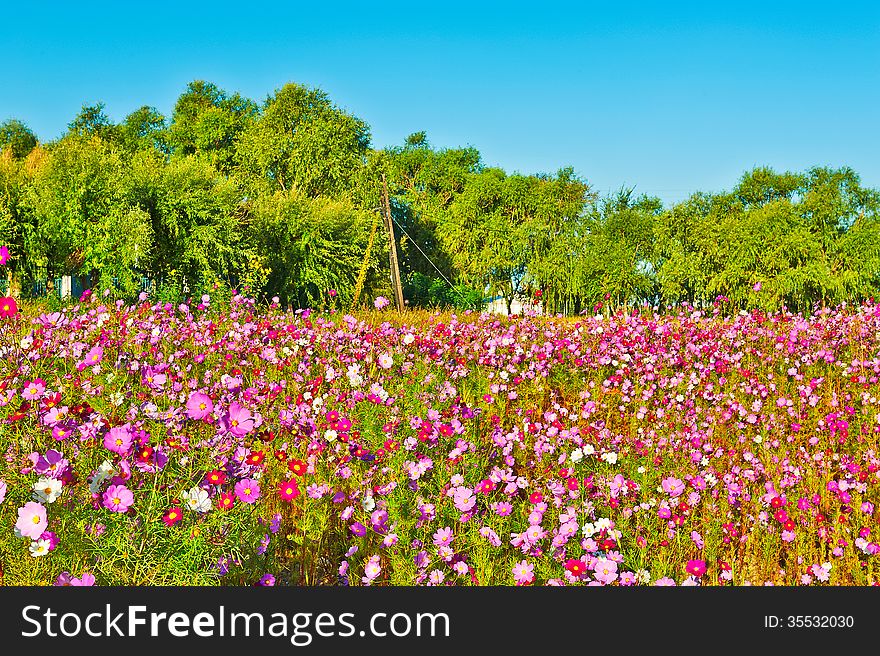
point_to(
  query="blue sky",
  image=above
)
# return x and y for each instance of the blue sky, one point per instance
(667, 97)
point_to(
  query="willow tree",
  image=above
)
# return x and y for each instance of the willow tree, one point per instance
(304, 144)
(312, 246)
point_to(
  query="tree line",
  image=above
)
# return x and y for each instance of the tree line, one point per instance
(280, 198)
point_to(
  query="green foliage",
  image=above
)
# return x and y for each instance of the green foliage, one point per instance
(17, 138)
(279, 199)
(303, 144)
(435, 293)
(207, 121)
(311, 246)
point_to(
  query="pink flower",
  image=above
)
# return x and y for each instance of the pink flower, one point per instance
(118, 498)
(118, 439)
(523, 573)
(672, 486)
(443, 537)
(86, 580)
(31, 520)
(464, 499)
(94, 356)
(247, 490)
(199, 406)
(605, 570)
(8, 307)
(240, 420)
(34, 389)
(381, 302)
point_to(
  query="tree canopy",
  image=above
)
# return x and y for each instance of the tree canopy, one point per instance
(280, 198)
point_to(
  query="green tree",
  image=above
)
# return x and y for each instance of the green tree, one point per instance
(207, 121)
(302, 143)
(17, 138)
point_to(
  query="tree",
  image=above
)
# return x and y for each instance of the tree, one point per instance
(304, 144)
(313, 245)
(16, 137)
(207, 121)
(144, 129)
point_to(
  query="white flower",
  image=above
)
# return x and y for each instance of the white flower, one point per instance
(39, 548)
(409, 338)
(386, 361)
(610, 457)
(603, 524)
(27, 342)
(643, 576)
(589, 530)
(47, 489)
(588, 449)
(197, 499)
(367, 503)
(576, 456)
(330, 435)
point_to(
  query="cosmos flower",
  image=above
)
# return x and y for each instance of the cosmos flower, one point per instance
(247, 490)
(31, 520)
(118, 498)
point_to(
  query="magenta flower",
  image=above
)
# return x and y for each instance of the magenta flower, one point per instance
(31, 521)
(696, 567)
(199, 406)
(247, 490)
(4, 255)
(118, 439)
(118, 498)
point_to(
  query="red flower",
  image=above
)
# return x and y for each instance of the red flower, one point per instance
(226, 500)
(173, 516)
(288, 490)
(255, 458)
(575, 566)
(536, 497)
(216, 477)
(298, 467)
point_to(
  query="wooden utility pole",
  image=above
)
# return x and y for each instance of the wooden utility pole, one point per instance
(392, 251)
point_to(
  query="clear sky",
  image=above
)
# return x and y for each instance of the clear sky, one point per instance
(669, 97)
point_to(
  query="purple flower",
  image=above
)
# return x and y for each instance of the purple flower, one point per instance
(358, 529)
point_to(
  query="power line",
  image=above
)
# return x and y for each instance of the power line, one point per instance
(421, 251)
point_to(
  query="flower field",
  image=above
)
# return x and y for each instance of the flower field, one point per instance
(220, 442)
